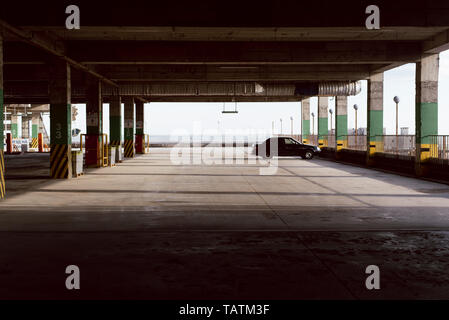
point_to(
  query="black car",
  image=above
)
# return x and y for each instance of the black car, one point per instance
(285, 146)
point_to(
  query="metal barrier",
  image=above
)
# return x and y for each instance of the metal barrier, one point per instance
(400, 144)
(356, 142)
(81, 141)
(439, 147)
(104, 160)
(312, 139)
(147, 143)
(104, 150)
(331, 143)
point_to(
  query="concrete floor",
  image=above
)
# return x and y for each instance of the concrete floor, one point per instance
(149, 228)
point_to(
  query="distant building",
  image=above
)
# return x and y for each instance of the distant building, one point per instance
(404, 131)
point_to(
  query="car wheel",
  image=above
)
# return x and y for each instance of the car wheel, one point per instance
(308, 155)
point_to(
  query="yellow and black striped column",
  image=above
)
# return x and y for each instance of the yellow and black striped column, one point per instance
(129, 127)
(2, 117)
(375, 124)
(60, 121)
(35, 130)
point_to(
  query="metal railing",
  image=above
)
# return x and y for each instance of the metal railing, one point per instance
(391, 144)
(356, 142)
(312, 139)
(331, 143)
(439, 147)
(400, 144)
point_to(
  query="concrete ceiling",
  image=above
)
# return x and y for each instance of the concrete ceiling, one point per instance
(269, 42)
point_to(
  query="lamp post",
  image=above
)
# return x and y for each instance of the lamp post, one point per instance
(313, 123)
(281, 125)
(291, 120)
(356, 107)
(396, 100)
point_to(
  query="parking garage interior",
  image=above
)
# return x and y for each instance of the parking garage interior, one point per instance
(121, 207)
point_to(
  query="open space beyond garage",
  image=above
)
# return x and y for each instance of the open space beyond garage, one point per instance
(149, 228)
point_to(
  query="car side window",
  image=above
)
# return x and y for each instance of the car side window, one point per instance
(288, 141)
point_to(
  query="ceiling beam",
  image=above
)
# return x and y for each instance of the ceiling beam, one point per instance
(235, 53)
(168, 73)
(54, 48)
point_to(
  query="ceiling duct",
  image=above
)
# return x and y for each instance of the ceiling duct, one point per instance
(339, 88)
(331, 88)
(200, 89)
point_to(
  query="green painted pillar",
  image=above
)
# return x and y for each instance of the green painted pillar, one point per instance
(323, 131)
(115, 120)
(375, 123)
(129, 127)
(305, 106)
(426, 110)
(94, 122)
(60, 120)
(2, 128)
(14, 126)
(35, 118)
(140, 137)
(341, 122)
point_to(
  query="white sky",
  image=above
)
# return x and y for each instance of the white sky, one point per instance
(165, 118)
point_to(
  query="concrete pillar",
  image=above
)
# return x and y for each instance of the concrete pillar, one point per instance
(15, 126)
(305, 105)
(25, 127)
(341, 122)
(35, 118)
(94, 123)
(60, 120)
(426, 110)
(129, 127)
(375, 123)
(115, 121)
(323, 131)
(2, 129)
(140, 137)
